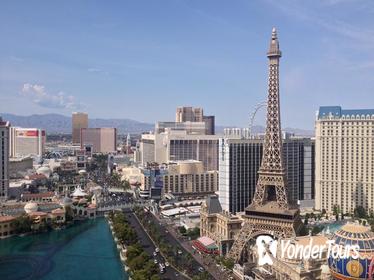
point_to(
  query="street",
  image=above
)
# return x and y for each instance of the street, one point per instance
(202, 260)
(200, 263)
(149, 247)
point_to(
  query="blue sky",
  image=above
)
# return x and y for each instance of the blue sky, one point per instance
(140, 59)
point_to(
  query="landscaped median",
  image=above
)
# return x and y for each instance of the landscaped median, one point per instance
(176, 256)
(137, 262)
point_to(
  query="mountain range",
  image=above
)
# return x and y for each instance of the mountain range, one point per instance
(60, 124)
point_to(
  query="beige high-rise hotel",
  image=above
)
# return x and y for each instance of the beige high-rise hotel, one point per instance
(79, 120)
(102, 139)
(344, 159)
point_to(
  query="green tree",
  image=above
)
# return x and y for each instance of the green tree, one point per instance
(312, 216)
(193, 233)
(304, 231)
(336, 211)
(138, 262)
(228, 263)
(317, 229)
(360, 212)
(133, 251)
(182, 230)
(22, 224)
(69, 214)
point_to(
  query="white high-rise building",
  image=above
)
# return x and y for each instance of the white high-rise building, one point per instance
(176, 145)
(344, 159)
(27, 141)
(4, 159)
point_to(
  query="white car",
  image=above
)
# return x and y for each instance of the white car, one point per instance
(157, 250)
(155, 261)
(166, 264)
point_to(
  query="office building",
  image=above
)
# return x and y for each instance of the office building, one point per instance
(240, 160)
(78, 121)
(209, 125)
(151, 185)
(189, 127)
(175, 145)
(27, 142)
(81, 159)
(103, 139)
(188, 178)
(146, 149)
(189, 114)
(344, 159)
(19, 167)
(196, 115)
(4, 159)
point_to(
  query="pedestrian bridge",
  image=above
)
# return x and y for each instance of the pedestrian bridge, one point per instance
(121, 206)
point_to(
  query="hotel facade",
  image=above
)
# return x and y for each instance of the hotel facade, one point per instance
(344, 159)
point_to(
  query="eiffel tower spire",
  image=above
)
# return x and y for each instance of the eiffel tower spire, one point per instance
(272, 182)
(269, 211)
(272, 158)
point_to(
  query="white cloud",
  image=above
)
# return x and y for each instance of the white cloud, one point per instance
(97, 70)
(94, 70)
(37, 94)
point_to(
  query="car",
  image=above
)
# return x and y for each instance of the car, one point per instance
(155, 261)
(157, 250)
(201, 269)
(176, 274)
(167, 264)
(179, 252)
(155, 254)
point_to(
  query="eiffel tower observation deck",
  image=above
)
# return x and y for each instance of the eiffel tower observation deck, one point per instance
(270, 211)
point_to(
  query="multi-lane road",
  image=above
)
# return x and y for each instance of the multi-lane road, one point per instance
(149, 248)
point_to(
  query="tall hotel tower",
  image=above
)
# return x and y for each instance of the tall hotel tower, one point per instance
(344, 159)
(79, 121)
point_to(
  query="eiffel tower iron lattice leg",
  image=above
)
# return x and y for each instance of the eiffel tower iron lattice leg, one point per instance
(239, 243)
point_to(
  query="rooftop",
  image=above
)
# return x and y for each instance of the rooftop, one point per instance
(37, 195)
(213, 205)
(4, 219)
(206, 241)
(36, 177)
(38, 213)
(338, 112)
(272, 207)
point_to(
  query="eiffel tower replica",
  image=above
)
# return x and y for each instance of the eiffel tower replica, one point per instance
(270, 212)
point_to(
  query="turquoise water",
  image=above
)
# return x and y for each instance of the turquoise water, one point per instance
(335, 226)
(84, 251)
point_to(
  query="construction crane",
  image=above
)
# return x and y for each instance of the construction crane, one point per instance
(253, 114)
